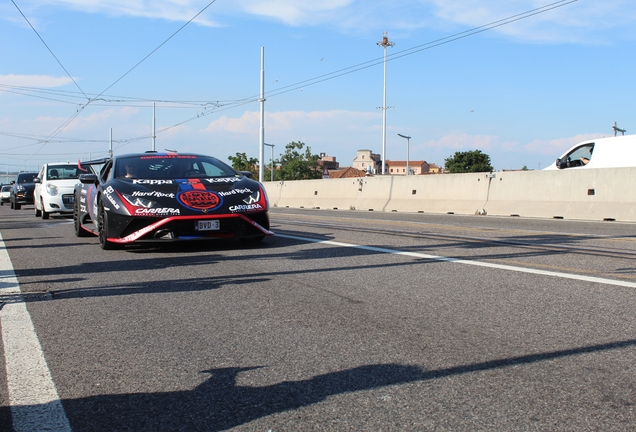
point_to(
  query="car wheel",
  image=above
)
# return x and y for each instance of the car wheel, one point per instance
(102, 228)
(38, 213)
(17, 206)
(45, 215)
(77, 224)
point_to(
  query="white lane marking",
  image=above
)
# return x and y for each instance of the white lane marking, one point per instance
(468, 262)
(35, 404)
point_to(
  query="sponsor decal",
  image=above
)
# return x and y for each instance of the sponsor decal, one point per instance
(82, 208)
(200, 199)
(254, 198)
(83, 200)
(222, 180)
(152, 194)
(164, 211)
(246, 208)
(151, 182)
(236, 192)
(83, 191)
(107, 193)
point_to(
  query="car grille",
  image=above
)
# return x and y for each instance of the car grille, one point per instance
(67, 199)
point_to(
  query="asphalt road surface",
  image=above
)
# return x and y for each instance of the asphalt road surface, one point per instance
(343, 321)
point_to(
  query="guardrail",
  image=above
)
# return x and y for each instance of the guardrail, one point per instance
(584, 194)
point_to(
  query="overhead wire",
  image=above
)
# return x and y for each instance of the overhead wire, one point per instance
(81, 107)
(371, 63)
(218, 106)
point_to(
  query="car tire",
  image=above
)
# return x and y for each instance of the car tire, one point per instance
(102, 229)
(77, 224)
(45, 214)
(17, 206)
(38, 213)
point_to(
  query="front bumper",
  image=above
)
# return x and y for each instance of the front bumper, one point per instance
(178, 228)
(58, 203)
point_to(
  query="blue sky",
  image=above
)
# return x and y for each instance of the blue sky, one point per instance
(523, 93)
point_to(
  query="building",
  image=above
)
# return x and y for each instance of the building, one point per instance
(399, 167)
(366, 160)
(348, 172)
(328, 162)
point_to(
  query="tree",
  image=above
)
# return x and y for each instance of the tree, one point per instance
(468, 161)
(296, 164)
(240, 162)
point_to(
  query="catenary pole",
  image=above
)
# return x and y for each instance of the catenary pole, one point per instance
(261, 146)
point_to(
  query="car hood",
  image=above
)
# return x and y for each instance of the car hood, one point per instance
(196, 195)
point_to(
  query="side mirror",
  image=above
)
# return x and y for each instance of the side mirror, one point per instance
(12, 181)
(88, 178)
(558, 163)
(37, 180)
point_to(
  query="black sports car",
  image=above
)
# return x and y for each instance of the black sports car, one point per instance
(162, 197)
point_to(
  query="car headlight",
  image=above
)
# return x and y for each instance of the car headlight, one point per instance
(19, 188)
(138, 201)
(51, 189)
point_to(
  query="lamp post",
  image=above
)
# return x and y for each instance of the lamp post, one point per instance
(408, 139)
(384, 43)
(271, 160)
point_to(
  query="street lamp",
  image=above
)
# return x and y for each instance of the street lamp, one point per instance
(384, 43)
(271, 160)
(408, 139)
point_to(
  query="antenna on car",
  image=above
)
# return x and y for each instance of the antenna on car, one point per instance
(617, 129)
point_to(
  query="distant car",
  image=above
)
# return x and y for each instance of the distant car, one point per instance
(5, 194)
(55, 188)
(166, 197)
(22, 190)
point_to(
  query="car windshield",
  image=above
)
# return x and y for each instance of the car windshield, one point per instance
(171, 167)
(65, 172)
(26, 178)
(6, 188)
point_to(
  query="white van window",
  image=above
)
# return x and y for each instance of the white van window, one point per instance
(578, 157)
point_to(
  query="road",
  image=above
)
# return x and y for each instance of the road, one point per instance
(343, 321)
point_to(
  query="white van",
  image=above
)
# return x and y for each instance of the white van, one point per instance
(612, 152)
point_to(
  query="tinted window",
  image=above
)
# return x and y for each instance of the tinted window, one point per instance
(26, 177)
(171, 167)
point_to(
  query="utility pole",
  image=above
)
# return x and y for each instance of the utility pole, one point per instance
(384, 43)
(261, 145)
(154, 135)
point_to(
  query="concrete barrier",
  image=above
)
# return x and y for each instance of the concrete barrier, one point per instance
(592, 194)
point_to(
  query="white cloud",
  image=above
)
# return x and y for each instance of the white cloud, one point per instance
(295, 12)
(558, 146)
(171, 10)
(460, 141)
(577, 21)
(34, 81)
(290, 121)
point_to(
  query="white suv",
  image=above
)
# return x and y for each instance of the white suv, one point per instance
(54, 188)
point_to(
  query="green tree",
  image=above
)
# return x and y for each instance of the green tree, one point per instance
(468, 161)
(298, 164)
(241, 162)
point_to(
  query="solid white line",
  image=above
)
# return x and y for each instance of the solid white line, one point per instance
(35, 404)
(469, 262)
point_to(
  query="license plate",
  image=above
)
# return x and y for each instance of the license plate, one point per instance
(207, 225)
